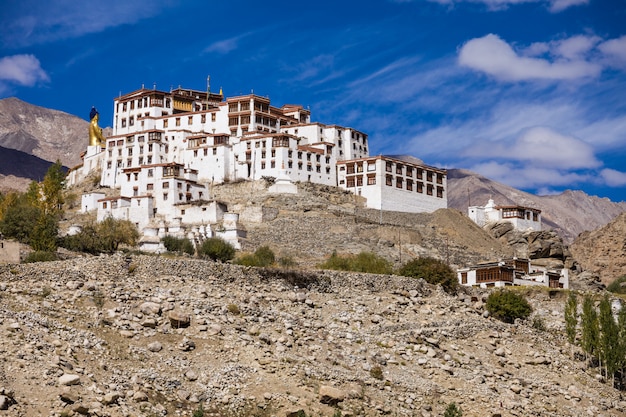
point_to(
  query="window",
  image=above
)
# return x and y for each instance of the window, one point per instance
(164, 196)
(104, 205)
(150, 173)
(440, 192)
(389, 180)
(429, 176)
(409, 171)
(409, 185)
(398, 182)
(350, 169)
(273, 164)
(166, 185)
(212, 117)
(214, 151)
(233, 121)
(359, 181)
(419, 173)
(399, 169)
(388, 167)
(371, 180)
(178, 121)
(190, 120)
(420, 187)
(203, 118)
(262, 164)
(429, 189)
(124, 122)
(350, 182)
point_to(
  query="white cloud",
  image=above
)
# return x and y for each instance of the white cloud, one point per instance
(613, 178)
(560, 5)
(223, 46)
(615, 51)
(495, 57)
(22, 70)
(528, 177)
(32, 22)
(554, 6)
(544, 147)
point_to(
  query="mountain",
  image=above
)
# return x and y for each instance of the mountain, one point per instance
(33, 137)
(603, 251)
(569, 213)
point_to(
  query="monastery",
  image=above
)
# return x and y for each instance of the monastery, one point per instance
(522, 218)
(168, 149)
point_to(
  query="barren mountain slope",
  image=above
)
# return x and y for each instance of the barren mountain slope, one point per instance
(569, 213)
(116, 336)
(48, 134)
(318, 220)
(603, 251)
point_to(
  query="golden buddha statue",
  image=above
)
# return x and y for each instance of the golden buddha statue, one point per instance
(95, 132)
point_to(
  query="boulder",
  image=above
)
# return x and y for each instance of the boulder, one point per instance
(331, 395)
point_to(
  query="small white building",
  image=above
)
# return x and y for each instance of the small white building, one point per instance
(522, 218)
(395, 183)
(514, 271)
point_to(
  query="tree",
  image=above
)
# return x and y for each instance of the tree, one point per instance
(216, 249)
(19, 221)
(114, 232)
(432, 271)
(590, 330)
(507, 306)
(52, 189)
(571, 318)
(609, 351)
(621, 325)
(44, 236)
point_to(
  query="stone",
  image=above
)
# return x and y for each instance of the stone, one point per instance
(68, 396)
(331, 395)
(155, 347)
(111, 398)
(69, 379)
(179, 320)
(150, 308)
(5, 402)
(140, 396)
(80, 408)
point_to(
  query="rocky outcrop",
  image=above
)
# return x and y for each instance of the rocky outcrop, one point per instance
(546, 246)
(89, 337)
(603, 251)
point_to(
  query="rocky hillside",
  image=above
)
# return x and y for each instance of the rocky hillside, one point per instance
(568, 213)
(603, 251)
(31, 135)
(116, 336)
(310, 225)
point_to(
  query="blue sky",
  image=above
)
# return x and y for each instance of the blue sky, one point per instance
(531, 93)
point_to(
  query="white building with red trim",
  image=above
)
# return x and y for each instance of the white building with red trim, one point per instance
(522, 218)
(168, 148)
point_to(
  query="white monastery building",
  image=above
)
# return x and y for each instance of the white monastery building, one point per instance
(513, 271)
(522, 218)
(168, 148)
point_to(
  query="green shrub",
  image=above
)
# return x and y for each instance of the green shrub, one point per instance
(453, 411)
(376, 372)
(216, 249)
(507, 306)
(180, 245)
(286, 262)
(262, 257)
(432, 271)
(363, 262)
(265, 256)
(618, 286)
(40, 256)
(539, 323)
